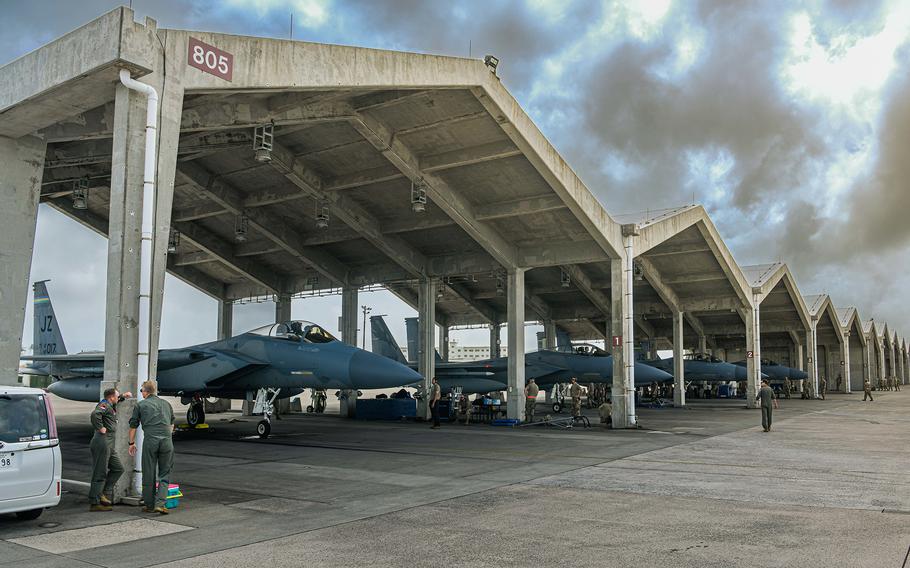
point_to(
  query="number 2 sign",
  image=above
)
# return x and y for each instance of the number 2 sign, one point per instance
(210, 59)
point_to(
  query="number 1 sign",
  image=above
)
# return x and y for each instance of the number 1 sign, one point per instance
(210, 59)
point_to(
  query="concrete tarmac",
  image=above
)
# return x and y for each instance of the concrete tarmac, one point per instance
(701, 486)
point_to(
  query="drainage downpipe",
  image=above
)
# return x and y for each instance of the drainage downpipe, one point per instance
(145, 250)
(628, 331)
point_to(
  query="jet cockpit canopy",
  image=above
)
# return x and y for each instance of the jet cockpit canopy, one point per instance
(704, 357)
(295, 330)
(587, 349)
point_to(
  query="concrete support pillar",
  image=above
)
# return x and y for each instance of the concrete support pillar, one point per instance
(812, 356)
(906, 377)
(444, 342)
(349, 314)
(225, 319)
(753, 355)
(702, 344)
(516, 335)
(845, 359)
(679, 375)
(495, 351)
(121, 337)
(426, 348)
(800, 362)
(282, 308)
(881, 358)
(170, 110)
(549, 330)
(22, 165)
(623, 389)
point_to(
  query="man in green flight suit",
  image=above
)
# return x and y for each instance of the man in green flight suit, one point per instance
(106, 466)
(766, 396)
(157, 419)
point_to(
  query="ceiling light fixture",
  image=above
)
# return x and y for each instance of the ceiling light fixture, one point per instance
(80, 194)
(263, 137)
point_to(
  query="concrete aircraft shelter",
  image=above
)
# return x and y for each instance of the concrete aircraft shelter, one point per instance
(856, 362)
(887, 342)
(303, 170)
(873, 351)
(828, 339)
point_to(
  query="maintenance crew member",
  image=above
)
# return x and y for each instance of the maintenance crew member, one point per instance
(606, 413)
(822, 387)
(575, 393)
(106, 465)
(435, 396)
(531, 390)
(840, 382)
(157, 419)
(465, 408)
(766, 396)
(788, 387)
(867, 390)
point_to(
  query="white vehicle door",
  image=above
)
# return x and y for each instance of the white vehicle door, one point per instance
(26, 446)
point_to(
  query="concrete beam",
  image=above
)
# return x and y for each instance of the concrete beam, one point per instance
(349, 211)
(192, 258)
(468, 156)
(383, 138)
(519, 207)
(222, 250)
(485, 310)
(269, 225)
(233, 114)
(558, 253)
(581, 281)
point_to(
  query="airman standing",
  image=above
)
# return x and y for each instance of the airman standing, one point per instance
(822, 387)
(531, 390)
(867, 390)
(157, 419)
(106, 465)
(435, 396)
(575, 393)
(840, 382)
(788, 387)
(766, 397)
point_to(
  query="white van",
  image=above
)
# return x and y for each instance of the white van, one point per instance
(29, 452)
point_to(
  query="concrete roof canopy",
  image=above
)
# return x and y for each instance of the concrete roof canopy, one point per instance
(851, 323)
(782, 308)
(828, 327)
(352, 141)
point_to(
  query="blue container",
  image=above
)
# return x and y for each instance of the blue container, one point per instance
(505, 422)
(724, 391)
(386, 408)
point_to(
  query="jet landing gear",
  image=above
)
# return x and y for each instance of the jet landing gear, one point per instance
(319, 397)
(264, 406)
(195, 414)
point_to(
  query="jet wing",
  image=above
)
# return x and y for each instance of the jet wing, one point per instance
(80, 357)
(231, 365)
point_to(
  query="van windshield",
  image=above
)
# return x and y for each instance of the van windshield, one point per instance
(23, 418)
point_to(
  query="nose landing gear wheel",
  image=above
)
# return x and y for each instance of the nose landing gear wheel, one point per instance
(263, 429)
(195, 415)
(557, 408)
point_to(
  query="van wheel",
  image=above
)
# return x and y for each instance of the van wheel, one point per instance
(29, 515)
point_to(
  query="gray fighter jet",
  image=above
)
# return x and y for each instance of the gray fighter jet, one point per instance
(587, 363)
(776, 371)
(703, 367)
(274, 361)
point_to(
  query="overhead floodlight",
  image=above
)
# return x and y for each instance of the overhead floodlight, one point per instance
(241, 227)
(311, 283)
(492, 62)
(173, 241)
(80, 194)
(637, 272)
(564, 279)
(418, 196)
(263, 137)
(500, 288)
(322, 214)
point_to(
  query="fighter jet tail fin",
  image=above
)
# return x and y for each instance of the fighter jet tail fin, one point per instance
(383, 341)
(412, 325)
(563, 342)
(47, 337)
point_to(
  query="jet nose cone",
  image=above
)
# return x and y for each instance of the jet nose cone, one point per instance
(651, 374)
(798, 375)
(372, 371)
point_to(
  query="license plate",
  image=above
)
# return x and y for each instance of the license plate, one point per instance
(6, 460)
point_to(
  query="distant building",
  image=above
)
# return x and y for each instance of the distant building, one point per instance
(466, 352)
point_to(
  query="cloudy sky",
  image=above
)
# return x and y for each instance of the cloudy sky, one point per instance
(787, 120)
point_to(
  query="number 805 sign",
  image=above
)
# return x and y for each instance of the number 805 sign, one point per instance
(210, 59)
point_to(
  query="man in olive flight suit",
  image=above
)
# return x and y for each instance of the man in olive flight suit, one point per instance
(766, 396)
(106, 466)
(157, 419)
(575, 393)
(867, 390)
(531, 390)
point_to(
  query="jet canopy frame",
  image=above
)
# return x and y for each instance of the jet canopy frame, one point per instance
(296, 330)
